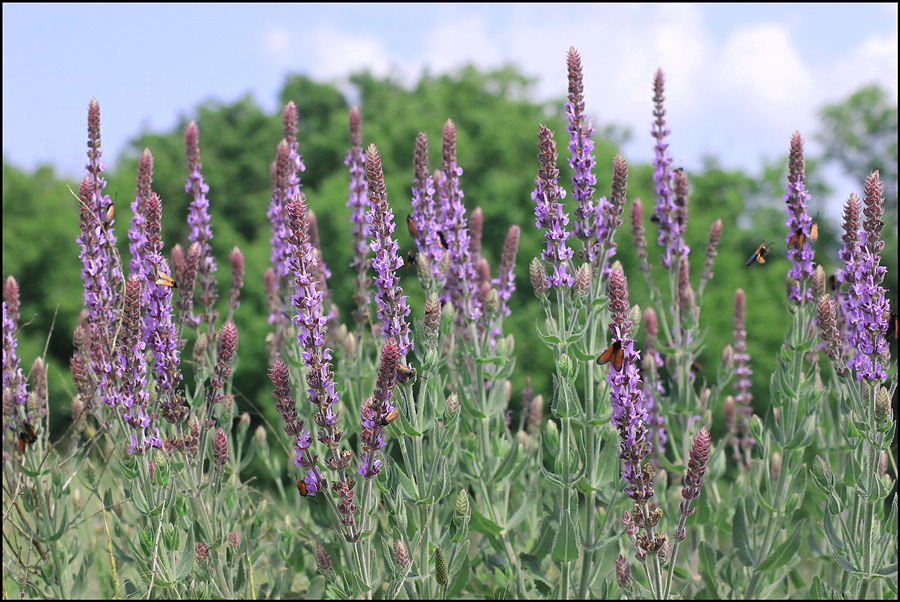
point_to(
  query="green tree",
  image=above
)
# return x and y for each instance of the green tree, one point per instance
(860, 134)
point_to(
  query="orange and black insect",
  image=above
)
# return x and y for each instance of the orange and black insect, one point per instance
(696, 367)
(166, 280)
(759, 255)
(892, 327)
(443, 239)
(411, 258)
(26, 437)
(108, 215)
(833, 285)
(392, 416)
(614, 355)
(405, 373)
(411, 226)
(301, 487)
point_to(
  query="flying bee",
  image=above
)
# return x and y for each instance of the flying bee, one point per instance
(759, 255)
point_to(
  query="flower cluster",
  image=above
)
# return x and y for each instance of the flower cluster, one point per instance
(847, 273)
(799, 224)
(159, 331)
(868, 308)
(378, 411)
(549, 214)
(461, 280)
(581, 148)
(131, 371)
(424, 218)
(667, 214)
(392, 308)
(15, 391)
(310, 322)
(629, 412)
(742, 374)
(199, 221)
(358, 204)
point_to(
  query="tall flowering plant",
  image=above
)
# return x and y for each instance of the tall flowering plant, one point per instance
(862, 378)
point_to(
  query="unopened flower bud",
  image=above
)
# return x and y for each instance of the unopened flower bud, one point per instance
(462, 504)
(452, 403)
(818, 281)
(323, 558)
(540, 281)
(440, 567)
(583, 276)
(728, 358)
(623, 572)
(401, 553)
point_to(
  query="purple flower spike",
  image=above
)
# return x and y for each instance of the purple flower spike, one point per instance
(462, 280)
(799, 224)
(358, 204)
(549, 214)
(629, 411)
(392, 308)
(424, 217)
(199, 221)
(159, 327)
(15, 391)
(581, 147)
(868, 308)
(378, 411)
(671, 231)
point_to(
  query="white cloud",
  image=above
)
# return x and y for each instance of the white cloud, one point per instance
(326, 52)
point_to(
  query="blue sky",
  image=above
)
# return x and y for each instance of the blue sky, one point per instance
(740, 78)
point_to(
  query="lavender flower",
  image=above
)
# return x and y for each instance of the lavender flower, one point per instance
(159, 328)
(236, 257)
(506, 276)
(310, 322)
(693, 478)
(136, 235)
(847, 274)
(378, 411)
(101, 272)
(392, 308)
(826, 316)
(629, 412)
(671, 231)
(460, 287)
(742, 373)
(228, 340)
(581, 148)
(424, 216)
(799, 224)
(868, 308)
(131, 372)
(609, 212)
(358, 203)
(199, 221)
(15, 391)
(549, 214)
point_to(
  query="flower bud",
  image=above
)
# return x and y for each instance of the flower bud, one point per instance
(440, 567)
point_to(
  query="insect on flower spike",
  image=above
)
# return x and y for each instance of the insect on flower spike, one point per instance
(614, 354)
(166, 280)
